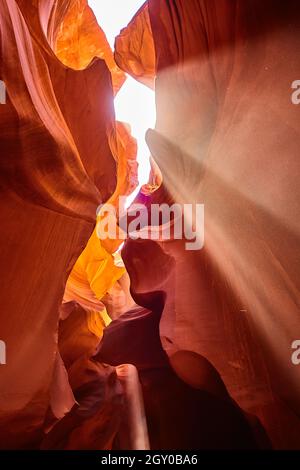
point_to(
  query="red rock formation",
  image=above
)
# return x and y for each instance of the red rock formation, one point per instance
(227, 136)
(135, 48)
(80, 39)
(56, 168)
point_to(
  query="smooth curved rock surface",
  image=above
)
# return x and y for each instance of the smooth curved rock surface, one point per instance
(53, 177)
(227, 135)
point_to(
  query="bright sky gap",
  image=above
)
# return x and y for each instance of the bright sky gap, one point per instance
(135, 103)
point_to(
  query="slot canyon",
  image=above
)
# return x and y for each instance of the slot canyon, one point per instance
(138, 339)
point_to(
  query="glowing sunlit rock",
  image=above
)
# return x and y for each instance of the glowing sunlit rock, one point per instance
(135, 48)
(80, 39)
